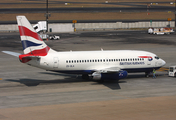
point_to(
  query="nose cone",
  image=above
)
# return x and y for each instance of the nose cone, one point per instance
(163, 62)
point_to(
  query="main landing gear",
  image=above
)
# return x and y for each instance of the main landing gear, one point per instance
(147, 74)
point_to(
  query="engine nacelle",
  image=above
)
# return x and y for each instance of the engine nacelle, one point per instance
(109, 76)
(123, 74)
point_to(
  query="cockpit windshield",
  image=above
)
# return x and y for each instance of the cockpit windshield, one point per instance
(156, 57)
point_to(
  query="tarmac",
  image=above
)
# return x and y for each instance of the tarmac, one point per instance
(31, 93)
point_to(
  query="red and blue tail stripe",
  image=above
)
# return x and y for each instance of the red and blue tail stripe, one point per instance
(31, 41)
(27, 44)
(32, 44)
(26, 32)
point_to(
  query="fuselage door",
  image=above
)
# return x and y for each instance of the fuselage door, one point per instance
(56, 62)
(149, 60)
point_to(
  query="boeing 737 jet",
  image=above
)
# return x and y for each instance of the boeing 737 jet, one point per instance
(99, 65)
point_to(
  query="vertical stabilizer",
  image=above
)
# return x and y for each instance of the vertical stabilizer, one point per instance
(31, 41)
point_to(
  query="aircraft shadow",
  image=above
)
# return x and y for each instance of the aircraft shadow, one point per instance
(36, 82)
(112, 84)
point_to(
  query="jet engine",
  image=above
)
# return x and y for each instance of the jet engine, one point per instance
(109, 76)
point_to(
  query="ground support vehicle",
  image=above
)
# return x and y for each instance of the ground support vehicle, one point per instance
(172, 71)
(160, 31)
(54, 37)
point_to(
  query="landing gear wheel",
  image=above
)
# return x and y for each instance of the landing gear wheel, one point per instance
(147, 74)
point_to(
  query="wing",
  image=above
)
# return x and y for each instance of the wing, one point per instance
(109, 70)
(111, 73)
(12, 53)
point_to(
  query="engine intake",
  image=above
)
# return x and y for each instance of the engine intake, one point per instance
(109, 76)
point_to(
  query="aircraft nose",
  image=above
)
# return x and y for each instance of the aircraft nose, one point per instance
(163, 62)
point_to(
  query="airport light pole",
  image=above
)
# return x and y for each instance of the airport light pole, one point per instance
(175, 14)
(47, 15)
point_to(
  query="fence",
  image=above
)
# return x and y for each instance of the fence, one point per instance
(69, 27)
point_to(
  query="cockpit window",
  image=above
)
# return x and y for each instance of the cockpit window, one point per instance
(156, 57)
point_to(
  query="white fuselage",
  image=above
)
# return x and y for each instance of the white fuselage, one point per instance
(81, 62)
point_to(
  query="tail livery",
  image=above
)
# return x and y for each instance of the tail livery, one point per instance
(32, 44)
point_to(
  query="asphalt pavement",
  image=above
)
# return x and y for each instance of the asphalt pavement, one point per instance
(31, 93)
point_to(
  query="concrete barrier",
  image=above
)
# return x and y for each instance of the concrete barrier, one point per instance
(62, 28)
(121, 25)
(8, 28)
(69, 27)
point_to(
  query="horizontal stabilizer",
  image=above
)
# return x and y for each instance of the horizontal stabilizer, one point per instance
(26, 58)
(12, 53)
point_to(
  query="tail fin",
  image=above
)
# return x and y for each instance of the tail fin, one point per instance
(31, 41)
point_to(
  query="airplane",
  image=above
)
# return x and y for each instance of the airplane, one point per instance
(98, 65)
